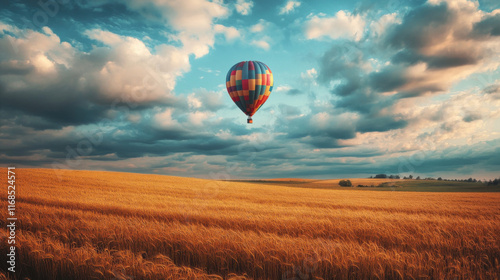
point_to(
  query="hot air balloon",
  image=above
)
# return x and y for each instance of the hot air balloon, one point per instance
(249, 83)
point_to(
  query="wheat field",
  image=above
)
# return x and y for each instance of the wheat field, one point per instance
(110, 225)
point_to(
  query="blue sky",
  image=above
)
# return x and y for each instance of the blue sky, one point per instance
(361, 87)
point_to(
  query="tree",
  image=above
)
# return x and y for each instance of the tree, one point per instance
(345, 183)
(411, 176)
(440, 179)
(383, 176)
(418, 178)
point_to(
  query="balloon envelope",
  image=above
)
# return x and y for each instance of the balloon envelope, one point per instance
(249, 83)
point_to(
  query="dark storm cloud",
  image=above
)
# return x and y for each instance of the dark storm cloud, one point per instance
(406, 57)
(428, 26)
(454, 163)
(13, 117)
(432, 35)
(380, 123)
(490, 26)
(493, 91)
(388, 79)
(472, 116)
(64, 109)
(138, 149)
(343, 64)
(354, 152)
(59, 101)
(46, 117)
(423, 26)
(319, 130)
(482, 156)
(138, 141)
(42, 76)
(451, 60)
(14, 67)
(321, 141)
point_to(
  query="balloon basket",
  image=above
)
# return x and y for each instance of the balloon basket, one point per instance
(249, 120)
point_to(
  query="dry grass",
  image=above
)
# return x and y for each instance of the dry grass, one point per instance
(105, 225)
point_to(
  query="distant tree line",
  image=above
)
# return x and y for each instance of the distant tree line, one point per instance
(345, 183)
(385, 176)
(348, 183)
(494, 182)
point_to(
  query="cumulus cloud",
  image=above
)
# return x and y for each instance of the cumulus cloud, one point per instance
(264, 34)
(54, 93)
(378, 27)
(261, 44)
(289, 7)
(383, 86)
(429, 50)
(230, 33)
(191, 20)
(244, 7)
(342, 25)
(79, 87)
(192, 16)
(493, 90)
(208, 100)
(382, 76)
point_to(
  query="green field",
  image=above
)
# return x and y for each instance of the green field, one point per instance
(391, 185)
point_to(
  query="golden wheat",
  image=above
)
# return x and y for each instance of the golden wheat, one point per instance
(106, 225)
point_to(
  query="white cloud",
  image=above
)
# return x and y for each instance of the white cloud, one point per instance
(197, 118)
(377, 28)
(123, 69)
(261, 44)
(258, 27)
(289, 7)
(342, 25)
(208, 100)
(309, 78)
(243, 7)
(459, 119)
(193, 16)
(132, 70)
(310, 74)
(230, 33)
(164, 119)
(192, 20)
(264, 34)
(283, 88)
(194, 102)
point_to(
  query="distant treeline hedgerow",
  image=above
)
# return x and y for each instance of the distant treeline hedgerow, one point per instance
(410, 177)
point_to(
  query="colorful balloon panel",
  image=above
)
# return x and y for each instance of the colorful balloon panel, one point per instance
(249, 84)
